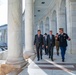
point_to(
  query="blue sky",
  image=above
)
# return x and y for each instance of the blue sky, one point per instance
(4, 11)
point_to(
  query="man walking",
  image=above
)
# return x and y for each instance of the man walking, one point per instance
(62, 38)
(45, 43)
(50, 44)
(38, 42)
(57, 44)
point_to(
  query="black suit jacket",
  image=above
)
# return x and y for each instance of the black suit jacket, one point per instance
(50, 42)
(63, 40)
(38, 41)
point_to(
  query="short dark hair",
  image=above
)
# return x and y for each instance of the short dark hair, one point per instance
(38, 30)
(45, 34)
(56, 33)
(61, 29)
(50, 30)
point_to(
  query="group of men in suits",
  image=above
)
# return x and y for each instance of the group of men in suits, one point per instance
(48, 42)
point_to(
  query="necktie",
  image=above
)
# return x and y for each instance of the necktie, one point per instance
(50, 36)
(38, 35)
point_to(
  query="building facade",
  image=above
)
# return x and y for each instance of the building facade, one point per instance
(3, 35)
(55, 14)
(39, 14)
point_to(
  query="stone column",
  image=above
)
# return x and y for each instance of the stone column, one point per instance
(3, 38)
(15, 47)
(61, 18)
(71, 24)
(38, 26)
(43, 26)
(54, 26)
(29, 26)
(50, 23)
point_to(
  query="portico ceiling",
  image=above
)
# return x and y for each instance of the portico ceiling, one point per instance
(40, 8)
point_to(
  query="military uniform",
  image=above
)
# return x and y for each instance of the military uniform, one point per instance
(62, 38)
(57, 45)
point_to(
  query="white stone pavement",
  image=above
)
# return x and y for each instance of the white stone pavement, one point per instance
(47, 67)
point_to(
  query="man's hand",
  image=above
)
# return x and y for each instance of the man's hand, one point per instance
(69, 39)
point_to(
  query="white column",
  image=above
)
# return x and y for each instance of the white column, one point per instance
(3, 35)
(38, 26)
(50, 23)
(15, 48)
(29, 26)
(71, 24)
(61, 20)
(43, 26)
(54, 26)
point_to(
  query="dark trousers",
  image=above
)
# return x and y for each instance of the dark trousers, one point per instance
(57, 48)
(46, 49)
(63, 51)
(39, 52)
(51, 52)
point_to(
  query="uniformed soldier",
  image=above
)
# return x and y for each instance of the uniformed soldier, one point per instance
(62, 38)
(57, 44)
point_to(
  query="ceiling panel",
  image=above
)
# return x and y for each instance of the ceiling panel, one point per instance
(42, 7)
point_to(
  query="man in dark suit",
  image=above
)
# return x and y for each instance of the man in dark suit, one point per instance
(50, 44)
(38, 42)
(62, 38)
(45, 43)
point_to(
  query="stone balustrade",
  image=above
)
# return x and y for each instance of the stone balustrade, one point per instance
(3, 55)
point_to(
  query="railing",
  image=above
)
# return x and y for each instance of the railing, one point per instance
(3, 55)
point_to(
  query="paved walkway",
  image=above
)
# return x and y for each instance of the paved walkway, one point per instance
(47, 67)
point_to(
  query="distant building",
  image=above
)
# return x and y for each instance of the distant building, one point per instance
(3, 33)
(3, 37)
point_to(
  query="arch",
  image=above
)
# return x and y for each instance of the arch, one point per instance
(54, 22)
(41, 26)
(47, 25)
(63, 16)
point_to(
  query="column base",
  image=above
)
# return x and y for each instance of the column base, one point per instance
(28, 54)
(18, 63)
(12, 73)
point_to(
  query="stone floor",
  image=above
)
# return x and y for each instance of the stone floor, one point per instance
(47, 67)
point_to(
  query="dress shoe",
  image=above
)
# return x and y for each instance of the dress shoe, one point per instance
(52, 59)
(37, 59)
(41, 57)
(57, 54)
(49, 57)
(62, 60)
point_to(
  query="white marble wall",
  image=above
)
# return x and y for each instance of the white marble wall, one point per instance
(71, 24)
(43, 26)
(61, 15)
(61, 21)
(47, 25)
(54, 27)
